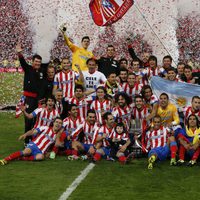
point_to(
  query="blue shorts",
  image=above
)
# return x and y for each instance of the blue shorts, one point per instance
(178, 131)
(68, 145)
(106, 151)
(87, 146)
(182, 132)
(34, 148)
(190, 153)
(190, 139)
(161, 152)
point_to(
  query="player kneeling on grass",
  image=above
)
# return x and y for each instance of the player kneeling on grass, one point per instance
(37, 147)
(189, 141)
(160, 143)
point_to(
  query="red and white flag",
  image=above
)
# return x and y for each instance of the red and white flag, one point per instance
(106, 12)
(20, 103)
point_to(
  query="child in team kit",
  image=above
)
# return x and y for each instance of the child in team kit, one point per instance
(120, 144)
(115, 146)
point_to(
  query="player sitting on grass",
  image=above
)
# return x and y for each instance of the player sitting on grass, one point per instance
(101, 135)
(35, 149)
(160, 143)
(120, 144)
(70, 124)
(82, 137)
(113, 145)
(189, 141)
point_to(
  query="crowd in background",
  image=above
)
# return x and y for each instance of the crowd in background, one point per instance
(15, 28)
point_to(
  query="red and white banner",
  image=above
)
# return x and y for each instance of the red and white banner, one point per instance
(106, 12)
(11, 70)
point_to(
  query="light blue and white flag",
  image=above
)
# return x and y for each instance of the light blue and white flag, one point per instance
(180, 93)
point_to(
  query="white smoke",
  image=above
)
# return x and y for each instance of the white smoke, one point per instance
(156, 21)
(42, 20)
(188, 7)
(76, 15)
(46, 17)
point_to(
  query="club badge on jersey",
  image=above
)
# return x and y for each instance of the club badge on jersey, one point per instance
(106, 12)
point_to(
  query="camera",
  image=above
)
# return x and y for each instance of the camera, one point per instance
(64, 28)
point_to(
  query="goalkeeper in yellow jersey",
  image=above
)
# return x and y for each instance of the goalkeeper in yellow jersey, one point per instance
(167, 111)
(80, 54)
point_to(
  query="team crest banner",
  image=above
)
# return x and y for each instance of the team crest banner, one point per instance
(180, 93)
(106, 12)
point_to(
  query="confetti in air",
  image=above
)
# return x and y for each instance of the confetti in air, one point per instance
(155, 22)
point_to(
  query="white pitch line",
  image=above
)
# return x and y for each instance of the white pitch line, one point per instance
(76, 182)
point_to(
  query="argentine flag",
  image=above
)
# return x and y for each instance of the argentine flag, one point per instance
(180, 93)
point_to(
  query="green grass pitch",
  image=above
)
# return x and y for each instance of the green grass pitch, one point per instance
(22, 180)
(11, 88)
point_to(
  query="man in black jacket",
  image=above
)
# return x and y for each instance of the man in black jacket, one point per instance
(47, 87)
(108, 65)
(144, 56)
(33, 78)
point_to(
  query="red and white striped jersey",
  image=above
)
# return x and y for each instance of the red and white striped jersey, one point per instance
(153, 99)
(100, 107)
(149, 104)
(140, 114)
(187, 111)
(142, 73)
(66, 82)
(123, 114)
(88, 131)
(71, 125)
(155, 72)
(132, 91)
(82, 104)
(44, 117)
(157, 138)
(100, 131)
(45, 137)
(123, 136)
